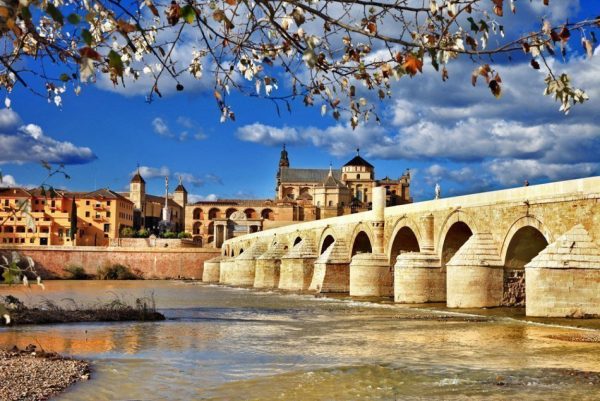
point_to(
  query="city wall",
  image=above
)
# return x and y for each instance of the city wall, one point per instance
(160, 263)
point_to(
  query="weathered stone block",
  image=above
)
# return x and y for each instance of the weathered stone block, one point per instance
(296, 274)
(419, 278)
(370, 276)
(267, 273)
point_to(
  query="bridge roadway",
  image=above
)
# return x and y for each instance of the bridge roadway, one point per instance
(535, 245)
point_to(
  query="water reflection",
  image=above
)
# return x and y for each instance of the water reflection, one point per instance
(220, 343)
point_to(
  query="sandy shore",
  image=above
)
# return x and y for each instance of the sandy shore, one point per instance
(27, 375)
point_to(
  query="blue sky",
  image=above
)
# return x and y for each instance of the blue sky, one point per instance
(449, 132)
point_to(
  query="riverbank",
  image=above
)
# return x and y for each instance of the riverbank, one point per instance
(32, 375)
(143, 309)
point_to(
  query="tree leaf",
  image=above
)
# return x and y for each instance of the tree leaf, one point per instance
(55, 13)
(74, 19)
(412, 64)
(87, 37)
(115, 63)
(188, 13)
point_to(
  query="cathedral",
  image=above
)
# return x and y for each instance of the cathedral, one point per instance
(322, 193)
(301, 194)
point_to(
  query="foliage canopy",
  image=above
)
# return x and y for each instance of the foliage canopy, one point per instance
(340, 55)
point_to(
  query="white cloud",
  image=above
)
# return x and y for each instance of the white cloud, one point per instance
(28, 143)
(515, 172)
(268, 135)
(196, 181)
(193, 198)
(8, 181)
(161, 127)
(149, 173)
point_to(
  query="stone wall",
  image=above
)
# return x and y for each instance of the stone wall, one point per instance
(161, 263)
(152, 242)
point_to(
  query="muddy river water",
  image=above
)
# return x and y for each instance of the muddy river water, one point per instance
(223, 343)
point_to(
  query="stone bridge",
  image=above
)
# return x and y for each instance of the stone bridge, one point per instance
(535, 245)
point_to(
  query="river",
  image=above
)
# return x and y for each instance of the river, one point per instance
(223, 343)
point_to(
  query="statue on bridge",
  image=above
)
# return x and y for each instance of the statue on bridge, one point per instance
(438, 191)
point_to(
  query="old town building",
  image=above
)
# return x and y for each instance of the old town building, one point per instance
(301, 194)
(38, 217)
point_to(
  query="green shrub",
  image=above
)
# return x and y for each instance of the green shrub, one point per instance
(127, 232)
(116, 272)
(169, 235)
(143, 233)
(184, 235)
(75, 272)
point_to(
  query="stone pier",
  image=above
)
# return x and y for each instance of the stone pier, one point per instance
(419, 278)
(227, 271)
(297, 266)
(245, 265)
(332, 269)
(370, 275)
(564, 279)
(268, 265)
(212, 269)
(475, 274)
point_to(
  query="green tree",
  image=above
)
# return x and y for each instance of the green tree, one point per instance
(330, 53)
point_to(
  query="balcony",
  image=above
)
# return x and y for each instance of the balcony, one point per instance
(98, 206)
(98, 217)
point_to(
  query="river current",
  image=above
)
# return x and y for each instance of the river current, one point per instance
(223, 343)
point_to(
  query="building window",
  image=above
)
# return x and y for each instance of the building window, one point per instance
(60, 232)
(358, 176)
(107, 203)
(107, 228)
(107, 214)
(87, 202)
(87, 214)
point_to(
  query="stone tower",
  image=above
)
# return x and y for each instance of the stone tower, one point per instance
(284, 162)
(137, 191)
(180, 194)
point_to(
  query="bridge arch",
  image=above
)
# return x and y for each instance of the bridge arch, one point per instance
(457, 216)
(526, 237)
(456, 229)
(327, 237)
(361, 240)
(405, 237)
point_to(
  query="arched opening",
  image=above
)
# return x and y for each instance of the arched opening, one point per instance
(229, 212)
(20, 229)
(211, 228)
(198, 215)
(456, 236)
(327, 242)
(288, 192)
(525, 245)
(197, 227)
(404, 241)
(267, 214)
(297, 241)
(213, 213)
(253, 229)
(250, 213)
(362, 244)
(241, 251)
